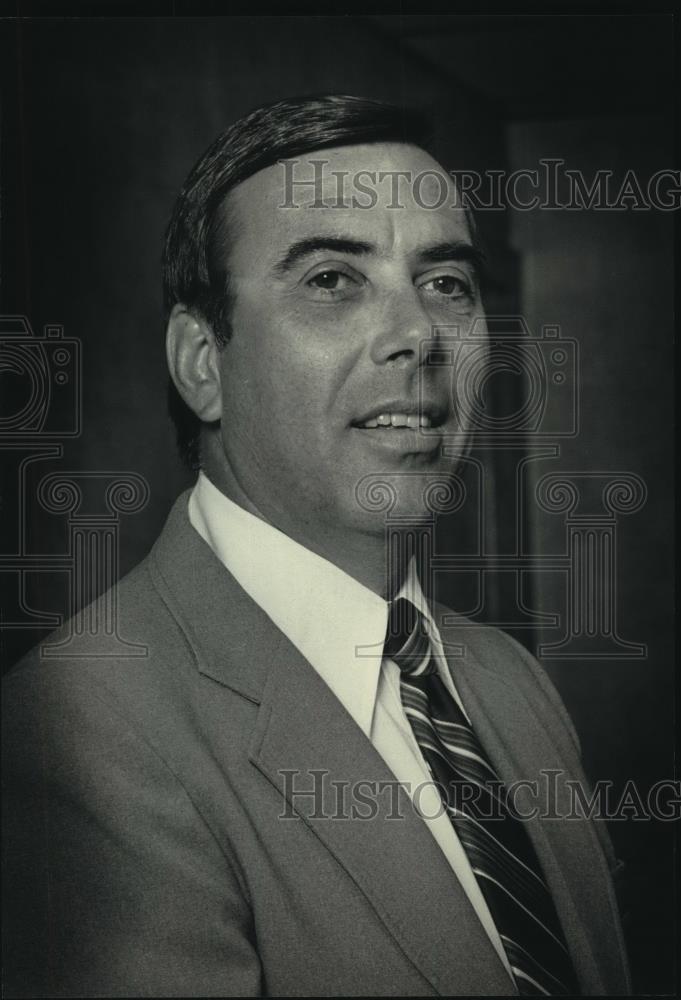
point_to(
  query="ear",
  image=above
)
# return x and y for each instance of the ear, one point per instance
(192, 355)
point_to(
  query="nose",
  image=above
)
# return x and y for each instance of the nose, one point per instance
(402, 330)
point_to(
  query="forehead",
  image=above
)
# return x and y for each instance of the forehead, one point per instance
(392, 194)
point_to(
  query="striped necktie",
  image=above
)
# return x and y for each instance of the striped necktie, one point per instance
(496, 842)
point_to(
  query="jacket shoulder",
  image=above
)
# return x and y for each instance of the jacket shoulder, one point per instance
(125, 645)
(499, 652)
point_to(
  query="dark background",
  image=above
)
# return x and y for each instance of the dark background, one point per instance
(102, 119)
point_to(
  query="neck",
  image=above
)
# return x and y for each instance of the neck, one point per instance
(362, 555)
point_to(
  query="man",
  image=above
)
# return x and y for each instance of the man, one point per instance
(221, 817)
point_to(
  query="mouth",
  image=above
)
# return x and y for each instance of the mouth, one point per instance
(403, 429)
(400, 417)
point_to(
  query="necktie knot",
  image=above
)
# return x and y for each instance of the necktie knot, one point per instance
(407, 641)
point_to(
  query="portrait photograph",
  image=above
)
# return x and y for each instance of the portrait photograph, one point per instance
(337, 506)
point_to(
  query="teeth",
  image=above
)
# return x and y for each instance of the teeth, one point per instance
(412, 420)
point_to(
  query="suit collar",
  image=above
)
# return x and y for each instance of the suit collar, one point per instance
(191, 568)
(327, 614)
(222, 625)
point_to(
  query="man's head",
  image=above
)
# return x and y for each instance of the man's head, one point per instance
(300, 295)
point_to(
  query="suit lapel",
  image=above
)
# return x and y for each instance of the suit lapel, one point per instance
(396, 863)
(520, 752)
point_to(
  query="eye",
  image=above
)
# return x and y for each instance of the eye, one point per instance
(448, 286)
(332, 283)
(329, 281)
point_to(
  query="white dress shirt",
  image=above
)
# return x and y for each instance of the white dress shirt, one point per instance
(339, 626)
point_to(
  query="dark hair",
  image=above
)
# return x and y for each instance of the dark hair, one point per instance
(195, 252)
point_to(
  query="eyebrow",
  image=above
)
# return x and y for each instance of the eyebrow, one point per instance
(460, 250)
(437, 253)
(313, 244)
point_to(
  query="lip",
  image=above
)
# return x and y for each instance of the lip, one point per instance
(402, 440)
(428, 408)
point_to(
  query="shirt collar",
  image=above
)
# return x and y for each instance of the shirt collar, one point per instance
(337, 624)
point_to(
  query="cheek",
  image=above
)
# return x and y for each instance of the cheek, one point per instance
(273, 403)
(293, 369)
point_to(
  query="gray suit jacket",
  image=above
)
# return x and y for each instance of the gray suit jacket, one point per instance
(148, 853)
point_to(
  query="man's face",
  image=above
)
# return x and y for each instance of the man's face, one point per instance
(331, 307)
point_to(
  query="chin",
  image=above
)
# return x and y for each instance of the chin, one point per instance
(404, 497)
